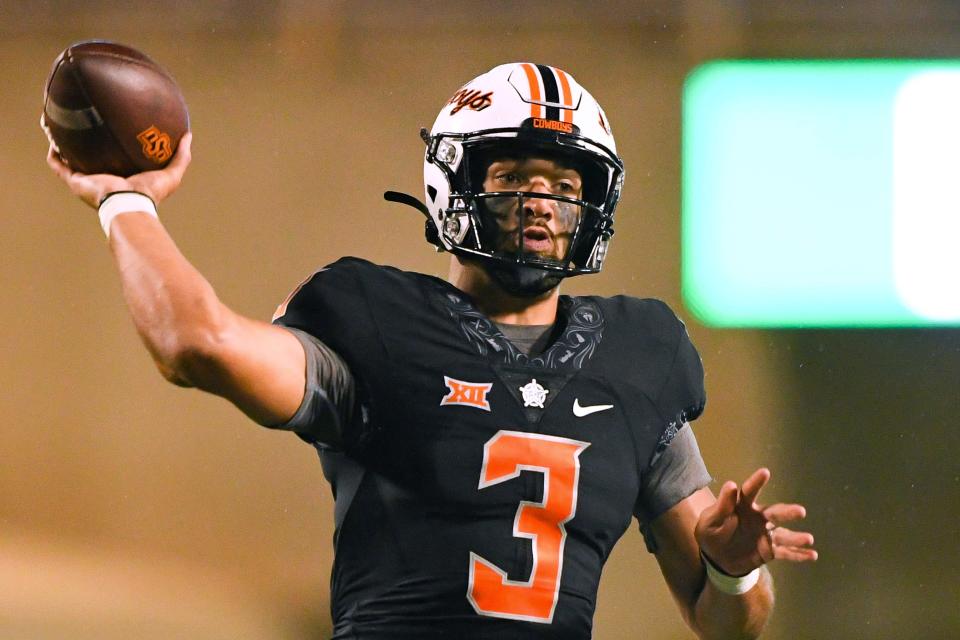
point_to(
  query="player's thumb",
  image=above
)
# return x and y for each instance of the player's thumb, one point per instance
(182, 157)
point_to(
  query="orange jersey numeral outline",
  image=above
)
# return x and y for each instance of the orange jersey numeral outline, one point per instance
(505, 455)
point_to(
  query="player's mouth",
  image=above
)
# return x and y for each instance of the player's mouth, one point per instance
(537, 239)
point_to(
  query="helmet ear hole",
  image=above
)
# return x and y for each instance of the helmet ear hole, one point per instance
(432, 193)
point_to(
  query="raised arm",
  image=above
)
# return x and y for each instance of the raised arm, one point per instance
(737, 536)
(194, 339)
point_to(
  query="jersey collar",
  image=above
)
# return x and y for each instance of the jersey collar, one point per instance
(581, 318)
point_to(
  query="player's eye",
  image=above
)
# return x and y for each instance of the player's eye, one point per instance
(509, 179)
(566, 187)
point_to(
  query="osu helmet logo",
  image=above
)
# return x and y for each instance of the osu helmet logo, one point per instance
(156, 144)
(471, 99)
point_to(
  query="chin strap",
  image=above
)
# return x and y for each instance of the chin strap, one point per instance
(407, 199)
(430, 227)
(520, 281)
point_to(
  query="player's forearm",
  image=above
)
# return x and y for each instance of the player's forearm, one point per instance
(719, 616)
(175, 310)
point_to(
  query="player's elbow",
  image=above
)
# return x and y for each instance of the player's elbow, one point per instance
(171, 374)
(194, 358)
(192, 364)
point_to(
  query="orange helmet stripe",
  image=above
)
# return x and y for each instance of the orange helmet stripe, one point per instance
(536, 111)
(567, 100)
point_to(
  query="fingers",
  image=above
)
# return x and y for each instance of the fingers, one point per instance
(77, 182)
(56, 164)
(794, 554)
(719, 511)
(89, 188)
(786, 544)
(753, 485)
(783, 537)
(754, 533)
(782, 513)
(181, 159)
(792, 546)
(160, 183)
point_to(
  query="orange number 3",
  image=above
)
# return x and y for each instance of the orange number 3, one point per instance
(505, 455)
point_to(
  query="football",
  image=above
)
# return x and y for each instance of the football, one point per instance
(108, 108)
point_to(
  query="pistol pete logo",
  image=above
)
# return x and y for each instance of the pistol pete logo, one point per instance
(468, 394)
(156, 144)
(471, 99)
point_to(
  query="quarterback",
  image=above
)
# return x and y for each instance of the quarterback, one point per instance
(488, 440)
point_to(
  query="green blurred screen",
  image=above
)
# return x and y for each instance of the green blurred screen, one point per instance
(822, 193)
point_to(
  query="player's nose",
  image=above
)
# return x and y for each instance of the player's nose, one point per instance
(537, 206)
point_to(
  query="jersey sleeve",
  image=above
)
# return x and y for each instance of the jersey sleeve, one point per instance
(682, 397)
(328, 399)
(330, 315)
(676, 469)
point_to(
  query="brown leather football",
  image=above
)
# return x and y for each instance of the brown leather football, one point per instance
(110, 109)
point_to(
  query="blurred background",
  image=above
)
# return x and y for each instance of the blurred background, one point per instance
(130, 508)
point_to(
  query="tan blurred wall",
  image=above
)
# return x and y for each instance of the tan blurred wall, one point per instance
(131, 508)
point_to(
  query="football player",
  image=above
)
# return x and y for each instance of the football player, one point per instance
(488, 440)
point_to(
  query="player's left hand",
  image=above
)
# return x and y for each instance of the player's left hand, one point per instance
(738, 535)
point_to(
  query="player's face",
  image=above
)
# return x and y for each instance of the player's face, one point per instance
(548, 225)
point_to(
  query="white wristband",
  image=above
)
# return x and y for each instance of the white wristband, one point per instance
(732, 585)
(124, 202)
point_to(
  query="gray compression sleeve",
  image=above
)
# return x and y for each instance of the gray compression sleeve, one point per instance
(329, 395)
(677, 473)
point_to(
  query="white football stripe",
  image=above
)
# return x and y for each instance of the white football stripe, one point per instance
(76, 119)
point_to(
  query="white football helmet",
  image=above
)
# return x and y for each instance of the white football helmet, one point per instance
(528, 110)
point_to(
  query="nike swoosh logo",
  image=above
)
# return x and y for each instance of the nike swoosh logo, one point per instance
(585, 411)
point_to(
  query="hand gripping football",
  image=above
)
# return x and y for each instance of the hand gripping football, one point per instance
(108, 108)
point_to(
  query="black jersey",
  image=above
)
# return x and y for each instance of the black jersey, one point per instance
(479, 490)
